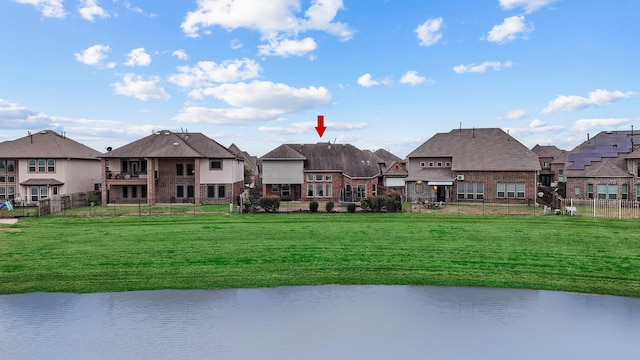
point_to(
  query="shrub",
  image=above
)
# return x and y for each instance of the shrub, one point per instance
(365, 204)
(351, 207)
(393, 203)
(329, 206)
(313, 206)
(269, 203)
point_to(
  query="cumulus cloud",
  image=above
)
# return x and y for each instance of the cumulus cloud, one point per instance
(366, 81)
(509, 30)
(89, 9)
(299, 128)
(138, 57)
(138, 87)
(180, 54)
(94, 55)
(584, 125)
(207, 73)
(275, 20)
(14, 116)
(286, 48)
(255, 102)
(574, 102)
(529, 5)
(473, 68)
(515, 114)
(429, 33)
(48, 8)
(412, 78)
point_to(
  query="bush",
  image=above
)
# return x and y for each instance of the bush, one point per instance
(365, 204)
(393, 203)
(351, 207)
(329, 206)
(313, 206)
(269, 203)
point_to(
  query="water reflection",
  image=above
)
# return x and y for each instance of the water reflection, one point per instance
(324, 322)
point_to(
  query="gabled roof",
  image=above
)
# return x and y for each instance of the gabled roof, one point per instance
(346, 158)
(46, 144)
(167, 144)
(546, 151)
(249, 160)
(396, 169)
(485, 149)
(561, 158)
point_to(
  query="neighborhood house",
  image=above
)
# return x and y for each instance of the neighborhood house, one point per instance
(168, 167)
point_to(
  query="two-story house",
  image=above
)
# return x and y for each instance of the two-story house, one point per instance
(321, 172)
(552, 162)
(167, 167)
(606, 166)
(46, 164)
(475, 165)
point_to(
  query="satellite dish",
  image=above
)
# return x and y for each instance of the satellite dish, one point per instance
(109, 148)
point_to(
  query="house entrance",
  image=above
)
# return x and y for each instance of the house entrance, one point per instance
(441, 193)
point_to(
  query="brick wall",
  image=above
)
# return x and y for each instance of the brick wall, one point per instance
(491, 180)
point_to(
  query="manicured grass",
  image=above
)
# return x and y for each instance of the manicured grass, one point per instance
(81, 254)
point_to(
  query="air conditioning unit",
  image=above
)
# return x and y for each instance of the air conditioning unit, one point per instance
(460, 177)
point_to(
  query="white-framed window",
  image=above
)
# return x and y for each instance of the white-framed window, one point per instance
(7, 166)
(624, 191)
(286, 190)
(361, 191)
(511, 190)
(41, 165)
(470, 190)
(275, 188)
(423, 164)
(309, 177)
(447, 164)
(439, 164)
(430, 163)
(589, 191)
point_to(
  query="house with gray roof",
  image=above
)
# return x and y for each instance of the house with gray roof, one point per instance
(606, 166)
(484, 164)
(167, 167)
(552, 161)
(321, 172)
(45, 165)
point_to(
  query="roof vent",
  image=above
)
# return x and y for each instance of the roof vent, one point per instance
(175, 144)
(167, 133)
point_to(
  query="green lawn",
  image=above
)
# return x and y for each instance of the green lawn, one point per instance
(82, 254)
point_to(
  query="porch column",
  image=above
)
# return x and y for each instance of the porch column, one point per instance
(196, 185)
(151, 182)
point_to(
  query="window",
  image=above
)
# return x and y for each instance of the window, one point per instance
(11, 166)
(54, 190)
(124, 167)
(309, 177)
(180, 191)
(613, 192)
(180, 169)
(7, 192)
(624, 193)
(576, 191)
(190, 170)
(215, 164)
(327, 178)
(447, 164)
(211, 191)
(319, 177)
(35, 190)
(32, 165)
(511, 190)
(3, 192)
(374, 189)
(143, 191)
(589, 191)
(470, 190)
(545, 164)
(190, 191)
(419, 188)
(423, 164)
(319, 190)
(42, 165)
(439, 164)
(222, 191)
(134, 192)
(560, 175)
(125, 192)
(638, 192)
(3, 166)
(329, 190)
(44, 192)
(51, 165)
(430, 163)
(286, 190)
(361, 191)
(275, 188)
(309, 190)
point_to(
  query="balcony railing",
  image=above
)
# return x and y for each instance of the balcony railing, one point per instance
(117, 175)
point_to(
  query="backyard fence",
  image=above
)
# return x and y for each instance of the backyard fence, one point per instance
(613, 209)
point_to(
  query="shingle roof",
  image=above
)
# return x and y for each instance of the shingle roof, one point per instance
(485, 149)
(46, 144)
(346, 158)
(546, 151)
(167, 144)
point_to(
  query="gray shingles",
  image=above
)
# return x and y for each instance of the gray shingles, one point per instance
(167, 144)
(46, 144)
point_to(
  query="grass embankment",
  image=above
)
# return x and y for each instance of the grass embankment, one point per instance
(239, 251)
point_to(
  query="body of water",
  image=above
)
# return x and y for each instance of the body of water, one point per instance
(320, 322)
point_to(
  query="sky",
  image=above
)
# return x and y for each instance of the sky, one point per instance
(384, 73)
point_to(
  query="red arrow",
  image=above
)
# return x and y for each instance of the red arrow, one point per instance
(320, 128)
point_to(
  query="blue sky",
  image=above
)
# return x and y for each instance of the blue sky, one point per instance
(385, 74)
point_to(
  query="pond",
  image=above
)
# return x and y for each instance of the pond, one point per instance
(320, 322)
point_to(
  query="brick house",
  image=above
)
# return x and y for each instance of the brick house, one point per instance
(394, 172)
(606, 166)
(46, 165)
(167, 167)
(552, 162)
(321, 172)
(473, 165)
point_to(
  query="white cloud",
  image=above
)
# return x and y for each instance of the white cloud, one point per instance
(137, 86)
(286, 48)
(255, 102)
(93, 55)
(584, 125)
(180, 54)
(367, 81)
(429, 32)
(574, 102)
(48, 8)
(299, 128)
(515, 114)
(274, 20)
(236, 44)
(89, 9)
(207, 73)
(537, 123)
(509, 30)
(14, 116)
(412, 78)
(529, 5)
(138, 57)
(473, 68)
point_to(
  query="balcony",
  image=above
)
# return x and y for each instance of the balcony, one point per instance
(126, 178)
